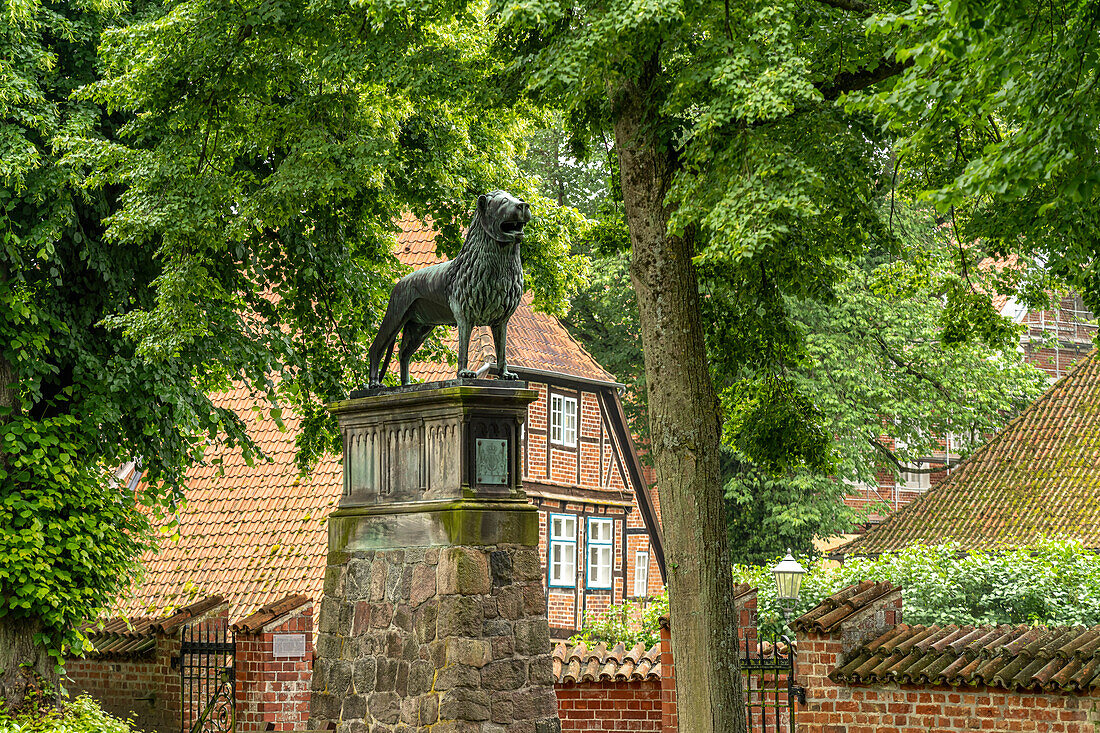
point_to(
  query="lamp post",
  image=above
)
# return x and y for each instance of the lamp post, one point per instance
(788, 579)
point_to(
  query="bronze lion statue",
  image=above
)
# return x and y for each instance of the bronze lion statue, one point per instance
(482, 286)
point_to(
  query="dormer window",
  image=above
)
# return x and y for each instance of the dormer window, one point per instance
(563, 420)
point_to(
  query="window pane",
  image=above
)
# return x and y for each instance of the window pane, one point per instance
(641, 573)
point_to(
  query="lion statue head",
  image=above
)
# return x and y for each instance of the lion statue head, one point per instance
(502, 217)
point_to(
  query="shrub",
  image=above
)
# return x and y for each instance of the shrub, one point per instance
(628, 623)
(1053, 582)
(82, 715)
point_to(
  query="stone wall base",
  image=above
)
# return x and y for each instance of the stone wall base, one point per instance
(454, 639)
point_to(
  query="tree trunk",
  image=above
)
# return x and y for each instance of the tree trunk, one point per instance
(684, 424)
(24, 665)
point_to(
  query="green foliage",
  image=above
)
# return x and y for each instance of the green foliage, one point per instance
(1053, 582)
(200, 194)
(995, 120)
(82, 715)
(627, 623)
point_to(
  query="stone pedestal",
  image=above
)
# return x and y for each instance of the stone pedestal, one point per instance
(433, 615)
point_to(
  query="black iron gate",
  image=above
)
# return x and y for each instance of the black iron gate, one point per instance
(207, 678)
(767, 667)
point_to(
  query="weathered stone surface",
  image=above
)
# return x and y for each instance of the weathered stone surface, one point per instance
(423, 584)
(541, 670)
(470, 652)
(527, 565)
(534, 599)
(500, 566)
(385, 706)
(503, 709)
(355, 706)
(364, 675)
(357, 580)
(534, 703)
(459, 616)
(378, 580)
(421, 676)
(464, 571)
(360, 620)
(457, 675)
(464, 704)
(510, 602)
(532, 636)
(506, 674)
(339, 677)
(325, 705)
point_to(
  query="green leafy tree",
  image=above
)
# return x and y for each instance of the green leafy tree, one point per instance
(211, 199)
(995, 118)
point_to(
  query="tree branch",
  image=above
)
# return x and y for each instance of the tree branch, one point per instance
(853, 81)
(889, 454)
(905, 366)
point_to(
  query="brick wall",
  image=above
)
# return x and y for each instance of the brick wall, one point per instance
(611, 706)
(833, 707)
(274, 670)
(146, 688)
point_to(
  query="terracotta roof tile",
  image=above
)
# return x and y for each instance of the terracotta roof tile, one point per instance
(123, 637)
(270, 612)
(1040, 476)
(843, 605)
(581, 663)
(1020, 657)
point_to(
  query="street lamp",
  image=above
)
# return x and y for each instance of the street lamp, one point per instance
(788, 579)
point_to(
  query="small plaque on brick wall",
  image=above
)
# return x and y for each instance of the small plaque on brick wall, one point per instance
(492, 461)
(289, 645)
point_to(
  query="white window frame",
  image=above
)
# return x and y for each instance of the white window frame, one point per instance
(562, 570)
(641, 573)
(600, 554)
(563, 420)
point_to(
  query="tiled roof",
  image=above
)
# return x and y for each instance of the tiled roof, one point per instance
(1012, 657)
(254, 534)
(130, 637)
(1039, 476)
(581, 663)
(270, 612)
(257, 534)
(843, 605)
(535, 340)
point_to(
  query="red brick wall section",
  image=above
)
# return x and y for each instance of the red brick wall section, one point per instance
(841, 708)
(669, 718)
(610, 706)
(273, 690)
(146, 689)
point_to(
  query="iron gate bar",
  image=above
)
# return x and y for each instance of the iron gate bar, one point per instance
(207, 677)
(766, 665)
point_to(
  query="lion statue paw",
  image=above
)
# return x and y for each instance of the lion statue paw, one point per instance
(510, 376)
(466, 374)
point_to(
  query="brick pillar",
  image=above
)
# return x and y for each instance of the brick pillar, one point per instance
(274, 670)
(669, 718)
(826, 636)
(434, 611)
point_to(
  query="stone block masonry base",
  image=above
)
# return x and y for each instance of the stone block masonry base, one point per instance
(441, 639)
